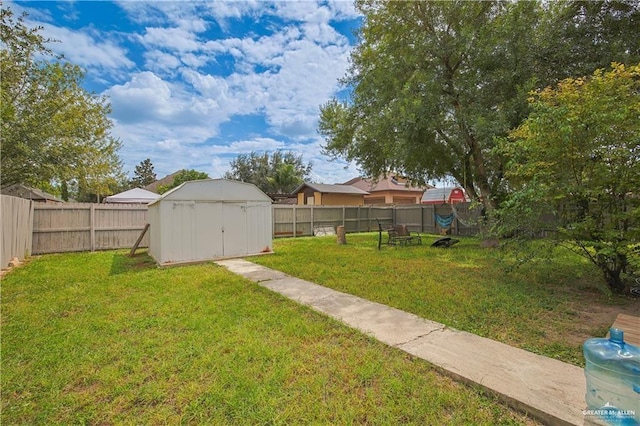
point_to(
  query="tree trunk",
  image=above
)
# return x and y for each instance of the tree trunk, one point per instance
(341, 236)
(612, 269)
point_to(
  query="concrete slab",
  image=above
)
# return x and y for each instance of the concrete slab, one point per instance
(550, 390)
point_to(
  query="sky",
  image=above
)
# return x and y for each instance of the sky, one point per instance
(192, 85)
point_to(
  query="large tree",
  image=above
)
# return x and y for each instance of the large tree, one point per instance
(574, 167)
(272, 173)
(53, 131)
(143, 174)
(577, 37)
(434, 83)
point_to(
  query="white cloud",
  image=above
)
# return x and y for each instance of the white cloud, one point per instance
(171, 108)
(260, 144)
(177, 39)
(145, 97)
(161, 62)
(87, 48)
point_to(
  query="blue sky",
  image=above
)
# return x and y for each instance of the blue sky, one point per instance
(194, 84)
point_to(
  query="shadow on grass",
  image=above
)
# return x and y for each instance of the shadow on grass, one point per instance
(123, 263)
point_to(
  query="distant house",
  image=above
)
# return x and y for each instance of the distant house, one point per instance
(35, 194)
(318, 194)
(448, 195)
(165, 181)
(392, 189)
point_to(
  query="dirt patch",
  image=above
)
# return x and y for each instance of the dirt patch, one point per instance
(595, 319)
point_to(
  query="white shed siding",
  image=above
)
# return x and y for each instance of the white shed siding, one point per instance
(233, 231)
(257, 233)
(209, 237)
(180, 244)
(210, 219)
(155, 234)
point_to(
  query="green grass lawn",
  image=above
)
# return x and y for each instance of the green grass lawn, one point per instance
(100, 338)
(545, 307)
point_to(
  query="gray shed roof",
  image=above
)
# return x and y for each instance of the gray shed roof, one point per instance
(214, 190)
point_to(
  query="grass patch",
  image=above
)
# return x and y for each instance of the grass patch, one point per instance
(546, 307)
(101, 338)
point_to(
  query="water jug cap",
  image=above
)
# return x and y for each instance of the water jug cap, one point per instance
(616, 335)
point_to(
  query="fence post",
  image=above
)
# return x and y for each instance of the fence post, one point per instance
(92, 226)
(294, 222)
(344, 214)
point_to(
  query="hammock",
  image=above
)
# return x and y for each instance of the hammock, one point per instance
(444, 221)
(467, 213)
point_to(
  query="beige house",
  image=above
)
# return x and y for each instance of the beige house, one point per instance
(318, 194)
(392, 189)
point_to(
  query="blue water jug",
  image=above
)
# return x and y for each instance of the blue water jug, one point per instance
(612, 371)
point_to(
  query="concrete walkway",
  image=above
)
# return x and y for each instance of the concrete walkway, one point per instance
(549, 390)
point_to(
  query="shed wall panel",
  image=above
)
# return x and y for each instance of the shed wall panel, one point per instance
(209, 244)
(234, 227)
(155, 232)
(179, 236)
(259, 227)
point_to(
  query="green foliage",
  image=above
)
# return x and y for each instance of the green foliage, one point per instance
(182, 177)
(143, 175)
(272, 173)
(577, 37)
(577, 158)
(434, 83)
(53, 131)
(285, 179)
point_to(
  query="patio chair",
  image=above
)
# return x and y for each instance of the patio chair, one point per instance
(392, 236)
(412, 237)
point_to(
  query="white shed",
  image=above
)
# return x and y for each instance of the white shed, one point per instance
(210, 219)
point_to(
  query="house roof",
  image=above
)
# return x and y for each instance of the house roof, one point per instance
(135, 195)
(433, 195)
(389, 183)
(165, 181)
(24, 191)
(332, 189)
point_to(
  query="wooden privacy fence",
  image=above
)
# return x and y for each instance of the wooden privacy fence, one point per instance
(87, 227)
(299, 221)
(17, 222)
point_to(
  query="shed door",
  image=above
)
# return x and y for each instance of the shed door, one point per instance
(234, 228)
(209, 231)
(180, 243)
